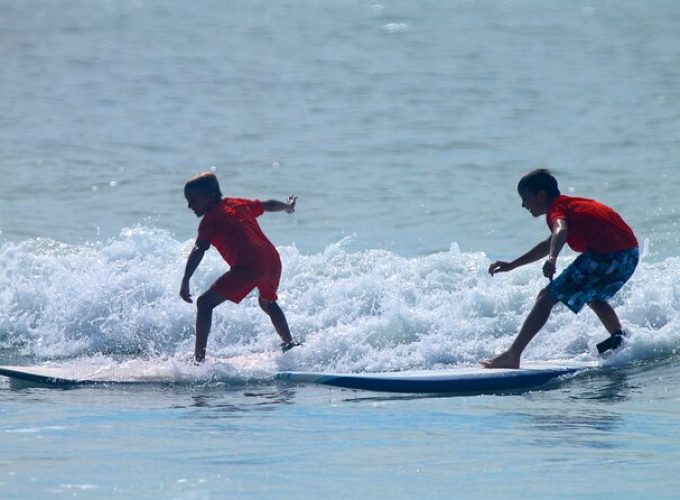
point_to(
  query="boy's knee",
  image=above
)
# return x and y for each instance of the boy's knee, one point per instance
(546, 298)
(265, 304)
(206, 302)
(201, 303)
(600, 307)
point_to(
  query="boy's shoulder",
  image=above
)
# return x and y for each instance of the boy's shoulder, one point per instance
(581, 208)
(566, 207)
(565, 198)
(241, 207)
(233, 201)
(564, 202)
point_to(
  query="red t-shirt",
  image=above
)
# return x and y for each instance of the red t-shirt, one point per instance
(591, 226)
(230, 226)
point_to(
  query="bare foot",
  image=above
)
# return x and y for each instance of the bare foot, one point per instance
(504, 360)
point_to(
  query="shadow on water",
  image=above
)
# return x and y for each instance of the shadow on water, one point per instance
(220, 401)
(359, 396)
(265, 399)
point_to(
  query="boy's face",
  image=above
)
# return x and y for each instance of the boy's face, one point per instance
(536, 203)
(200, 202)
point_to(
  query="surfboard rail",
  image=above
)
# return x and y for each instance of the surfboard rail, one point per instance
(40, 380)
(20, 378)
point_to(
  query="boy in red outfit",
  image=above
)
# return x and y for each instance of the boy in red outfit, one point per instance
(229, 225)
(608, 259)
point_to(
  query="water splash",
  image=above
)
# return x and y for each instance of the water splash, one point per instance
(369, 310)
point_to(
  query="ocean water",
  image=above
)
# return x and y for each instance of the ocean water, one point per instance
(403, 127)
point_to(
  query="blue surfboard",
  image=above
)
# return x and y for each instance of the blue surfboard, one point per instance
(455, 380)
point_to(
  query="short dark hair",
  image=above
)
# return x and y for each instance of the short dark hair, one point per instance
(539, 180)
(204, 183)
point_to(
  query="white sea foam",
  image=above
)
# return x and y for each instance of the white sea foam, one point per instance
(365, 310)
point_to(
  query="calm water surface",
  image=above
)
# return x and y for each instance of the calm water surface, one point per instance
(607, 434)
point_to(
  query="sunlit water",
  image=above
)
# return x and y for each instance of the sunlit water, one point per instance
(404, 127)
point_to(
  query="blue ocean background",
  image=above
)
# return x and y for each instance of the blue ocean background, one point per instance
(403, 127)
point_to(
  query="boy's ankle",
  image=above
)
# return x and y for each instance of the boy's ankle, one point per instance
(612, 342)
(287, 346)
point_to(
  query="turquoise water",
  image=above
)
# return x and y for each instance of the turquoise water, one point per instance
(403, 127)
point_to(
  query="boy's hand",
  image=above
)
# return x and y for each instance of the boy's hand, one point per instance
(549, 268)
(185, 293)
(500, 266)
(291, 203)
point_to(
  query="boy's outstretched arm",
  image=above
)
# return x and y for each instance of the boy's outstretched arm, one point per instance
(536, 253)
(280, 206)
(194, 259)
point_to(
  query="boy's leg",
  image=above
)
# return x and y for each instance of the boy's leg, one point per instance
(233, 285)
(278, 318)
(532, 325)
(607, 315)
(204, 309)
(612, 271)
(611, 322)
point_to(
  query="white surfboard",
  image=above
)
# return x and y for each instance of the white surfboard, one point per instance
(470, 379)
(234, 370)
(41, 377)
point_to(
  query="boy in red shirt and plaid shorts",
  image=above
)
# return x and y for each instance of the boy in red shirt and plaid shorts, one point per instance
(230, 225)
(608, 259)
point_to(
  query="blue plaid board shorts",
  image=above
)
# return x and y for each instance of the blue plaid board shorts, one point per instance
(593, 276)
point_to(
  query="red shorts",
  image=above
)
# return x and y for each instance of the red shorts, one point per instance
(238, 282)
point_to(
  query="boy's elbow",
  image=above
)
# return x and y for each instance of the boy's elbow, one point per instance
(200, 248)
(272, 206)
(560, 228)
